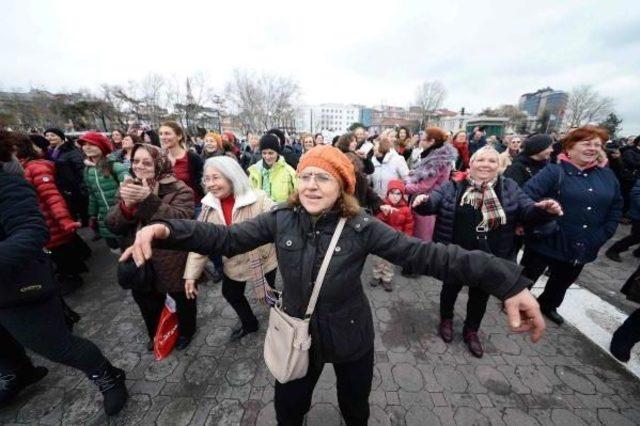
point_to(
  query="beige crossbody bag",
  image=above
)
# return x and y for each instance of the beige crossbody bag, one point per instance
(286, 346)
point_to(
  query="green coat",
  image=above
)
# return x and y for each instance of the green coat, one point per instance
(102, 191)
(282, 179)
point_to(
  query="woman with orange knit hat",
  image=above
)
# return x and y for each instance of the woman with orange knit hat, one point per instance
(341, 324)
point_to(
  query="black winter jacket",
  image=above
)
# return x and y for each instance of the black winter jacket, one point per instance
(517, 205)
(196, 164)
(23, 230)
(523, 168)
(70, 172)
(342, 325)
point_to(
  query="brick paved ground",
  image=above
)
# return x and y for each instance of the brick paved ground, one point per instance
(563, 380)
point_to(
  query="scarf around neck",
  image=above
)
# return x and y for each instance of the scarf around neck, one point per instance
(482, 196)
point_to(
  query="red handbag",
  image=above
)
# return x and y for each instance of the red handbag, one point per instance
(167, 332)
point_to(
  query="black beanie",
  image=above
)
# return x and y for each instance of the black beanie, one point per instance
(280, 135)
(270, 141)
(55, 131)
(39, 141)
(536, 144)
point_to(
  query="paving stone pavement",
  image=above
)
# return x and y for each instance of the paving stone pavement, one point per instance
(419, 380)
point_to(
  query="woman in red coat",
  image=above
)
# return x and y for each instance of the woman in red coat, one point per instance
(68, 251)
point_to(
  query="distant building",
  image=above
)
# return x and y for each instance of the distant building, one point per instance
(553, 102)
(366, 116)
(330, 118)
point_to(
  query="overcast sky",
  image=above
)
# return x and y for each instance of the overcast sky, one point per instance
(485, 53)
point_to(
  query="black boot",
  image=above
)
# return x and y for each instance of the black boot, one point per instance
(621, 345)
(111, 382)
(613, 255)
(11, 384)
(71, 317)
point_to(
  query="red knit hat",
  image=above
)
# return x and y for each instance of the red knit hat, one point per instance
(96, 139)
(395, 184)
(334, 162)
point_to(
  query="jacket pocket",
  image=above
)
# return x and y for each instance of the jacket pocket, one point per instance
(351, 332)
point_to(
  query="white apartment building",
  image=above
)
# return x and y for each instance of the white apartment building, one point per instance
(327, 118)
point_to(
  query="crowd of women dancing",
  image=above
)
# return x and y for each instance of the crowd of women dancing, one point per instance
(272, 201)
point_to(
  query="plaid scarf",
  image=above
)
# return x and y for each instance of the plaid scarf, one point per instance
(481, 195)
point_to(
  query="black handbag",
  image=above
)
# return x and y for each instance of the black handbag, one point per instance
(132, 277)
(28, 283)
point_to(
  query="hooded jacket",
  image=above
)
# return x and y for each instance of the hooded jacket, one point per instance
(282, 179)
(402, 218)
(341, 326)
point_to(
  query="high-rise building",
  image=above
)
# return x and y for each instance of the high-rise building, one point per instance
(553, 102)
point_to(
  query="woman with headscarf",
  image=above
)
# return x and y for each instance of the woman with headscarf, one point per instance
(154, 193)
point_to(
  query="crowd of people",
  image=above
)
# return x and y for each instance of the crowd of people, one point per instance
(457, 206)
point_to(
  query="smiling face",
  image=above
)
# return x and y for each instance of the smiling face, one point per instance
(216, 183)
(318, 190)
(307, 143)
(319, 140)
(461, 138)
(92, 151)
(585, 152)
(210, 144)
(143, 165)
(514, 144)
(402, 134)
(168, 137)
(484, 167)
(116, 137)
(53, 139)
(127, 142)
(359, 132)
(269, 157)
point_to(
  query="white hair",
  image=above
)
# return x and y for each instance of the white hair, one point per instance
(487, 149)
(231, 170)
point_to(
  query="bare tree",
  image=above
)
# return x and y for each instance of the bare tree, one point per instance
(429, 97)
(263, 101)
(153, 94)
(587, 106)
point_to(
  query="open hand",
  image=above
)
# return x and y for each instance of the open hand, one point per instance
(387, 209)
(133, 194)
(420, 199)
(523, 314)
(550, 206)
(141, 248)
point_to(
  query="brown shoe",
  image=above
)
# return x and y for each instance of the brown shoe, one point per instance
(387, 286)
(446, 330)
(473, 343)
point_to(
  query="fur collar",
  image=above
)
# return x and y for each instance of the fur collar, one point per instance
(434, 163)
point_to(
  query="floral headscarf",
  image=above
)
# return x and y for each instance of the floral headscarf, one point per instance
(163, 166)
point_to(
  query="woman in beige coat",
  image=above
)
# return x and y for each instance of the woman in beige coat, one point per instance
(231, 199)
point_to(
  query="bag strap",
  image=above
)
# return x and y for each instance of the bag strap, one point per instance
(323, 269)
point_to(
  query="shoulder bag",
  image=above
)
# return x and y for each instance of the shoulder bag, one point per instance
(286, 346)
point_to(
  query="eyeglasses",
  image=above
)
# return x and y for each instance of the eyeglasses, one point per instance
(207, 179)
(319, 178)
(148, 164)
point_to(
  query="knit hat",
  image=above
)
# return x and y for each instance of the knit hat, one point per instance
(96, 139)
(270, 141)
(39, 141)
(56, 131)
(280, 135)
(536, 144)
(395, 184)
(334, 162)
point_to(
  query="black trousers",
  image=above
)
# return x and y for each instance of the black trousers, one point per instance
(476, 305)
(293, 399)
(233, 292)
(151, 304)
(561, 276)
(628, 334)
(41, 328)
(628, 241)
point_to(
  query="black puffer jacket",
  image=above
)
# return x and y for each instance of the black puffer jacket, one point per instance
(517, 205)
(523, 168)
(341, 326)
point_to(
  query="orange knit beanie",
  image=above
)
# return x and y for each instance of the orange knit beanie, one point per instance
(334, 162)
